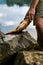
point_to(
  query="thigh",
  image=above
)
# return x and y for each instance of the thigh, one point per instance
(39, 25)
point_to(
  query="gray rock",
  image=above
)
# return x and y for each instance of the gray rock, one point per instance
(22, 41)
(19, 50)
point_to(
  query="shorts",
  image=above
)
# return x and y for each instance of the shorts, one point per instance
(39, 11)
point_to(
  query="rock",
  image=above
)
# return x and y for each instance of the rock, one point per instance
(22, 41)
(29, 58)
(5, 51)
(1, 37)
(21, 49)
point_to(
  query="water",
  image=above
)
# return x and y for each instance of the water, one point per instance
(10, 17)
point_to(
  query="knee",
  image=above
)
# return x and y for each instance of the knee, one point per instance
(38, 22)
(39, 25)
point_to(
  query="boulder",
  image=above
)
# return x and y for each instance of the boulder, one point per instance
(22, 41)
(21, 49)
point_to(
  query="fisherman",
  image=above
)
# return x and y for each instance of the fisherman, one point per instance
(34, 13)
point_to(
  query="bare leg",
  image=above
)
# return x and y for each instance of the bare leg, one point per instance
(39, 28)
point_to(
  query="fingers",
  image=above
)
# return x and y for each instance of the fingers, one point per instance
(30, 14)
(30, 17)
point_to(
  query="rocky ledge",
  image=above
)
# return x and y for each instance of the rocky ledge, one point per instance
(21, 49)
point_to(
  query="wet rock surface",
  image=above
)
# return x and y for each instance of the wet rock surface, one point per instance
(21, 49)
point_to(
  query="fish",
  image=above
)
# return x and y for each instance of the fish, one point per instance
(23, 25)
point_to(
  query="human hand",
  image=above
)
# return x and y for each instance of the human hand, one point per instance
(30, 14)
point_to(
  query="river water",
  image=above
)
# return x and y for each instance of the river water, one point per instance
(10, 17)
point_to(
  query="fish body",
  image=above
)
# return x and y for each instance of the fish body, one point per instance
(21, 26)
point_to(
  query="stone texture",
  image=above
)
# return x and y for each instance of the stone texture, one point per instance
(21, 49)
(22, 41)
(29, 58)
